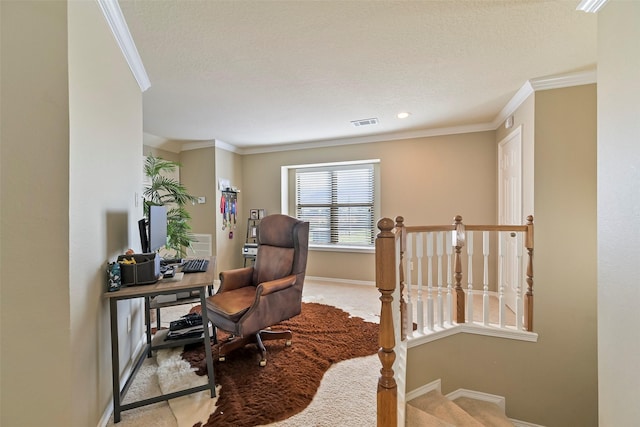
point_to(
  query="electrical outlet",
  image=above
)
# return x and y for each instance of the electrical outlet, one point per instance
(128, 323)
(410, 265)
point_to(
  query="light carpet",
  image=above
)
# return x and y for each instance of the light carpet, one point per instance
(346, 396)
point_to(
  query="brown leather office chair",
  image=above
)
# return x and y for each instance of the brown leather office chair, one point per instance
(252, 299)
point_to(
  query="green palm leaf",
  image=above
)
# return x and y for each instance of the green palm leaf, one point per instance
(162, 190)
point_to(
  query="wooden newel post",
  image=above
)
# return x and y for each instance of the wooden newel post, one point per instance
(528, 303)
(386, 282)
(459, 239)
(404, 322)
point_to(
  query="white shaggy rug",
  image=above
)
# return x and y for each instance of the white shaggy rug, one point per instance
(176, 374)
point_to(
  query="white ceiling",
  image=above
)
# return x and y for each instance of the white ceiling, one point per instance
(255, 73)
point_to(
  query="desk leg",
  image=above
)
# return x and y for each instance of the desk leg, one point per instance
(207, 341)
(147, 321)
(115, 359)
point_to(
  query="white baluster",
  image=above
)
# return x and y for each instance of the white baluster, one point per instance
(470, 276)
(396, 314)
(501, 299)
(420, 303)
(429, 237)
(408, 326)
(449, 302)
(485, 281)
(519, 302)
(439, 316)
(439, 253)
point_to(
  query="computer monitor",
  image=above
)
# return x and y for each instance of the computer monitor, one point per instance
(144, 236)
(153, 233)
(157, 227)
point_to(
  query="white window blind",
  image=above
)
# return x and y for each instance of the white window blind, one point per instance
(338, 202)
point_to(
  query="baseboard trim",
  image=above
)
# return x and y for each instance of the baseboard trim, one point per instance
(433, 385)
(478, 395)
(140, 347)
(106, 415)
(344, 281)
(518, 423)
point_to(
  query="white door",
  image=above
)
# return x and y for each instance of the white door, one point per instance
(510, 209)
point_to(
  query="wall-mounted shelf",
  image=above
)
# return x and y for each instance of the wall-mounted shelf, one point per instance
(251, 244)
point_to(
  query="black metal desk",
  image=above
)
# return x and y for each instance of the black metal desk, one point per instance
(190, 282)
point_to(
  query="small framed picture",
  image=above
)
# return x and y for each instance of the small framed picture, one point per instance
(261, 213)
(253, 214)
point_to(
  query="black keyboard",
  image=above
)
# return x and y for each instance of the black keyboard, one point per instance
(186, 321)
(195, 266)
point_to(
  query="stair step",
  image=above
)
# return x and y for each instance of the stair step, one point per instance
(417, 417)
(436, 404)
(435, 410)
(487, 413)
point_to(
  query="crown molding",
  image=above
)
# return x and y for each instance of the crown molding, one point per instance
(227, 147)
(113, 14)
(194, 145)
(564, 80)
(543, 83)
(521, 95)
(453, 130)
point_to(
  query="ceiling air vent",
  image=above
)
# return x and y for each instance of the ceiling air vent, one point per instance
(364, 122)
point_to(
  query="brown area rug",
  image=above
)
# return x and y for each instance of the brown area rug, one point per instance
(252, 395)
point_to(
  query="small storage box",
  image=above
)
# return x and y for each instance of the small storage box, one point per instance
(145, 271)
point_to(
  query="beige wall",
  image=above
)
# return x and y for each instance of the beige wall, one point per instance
(198, 175)
(72, 124)
(36, 365)
(228, 166)
(105, 177)
(158, 152)
(618, 207)
(418, 178)
(552, 382)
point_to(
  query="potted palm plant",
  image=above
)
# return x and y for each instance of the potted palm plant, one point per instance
(162, 190)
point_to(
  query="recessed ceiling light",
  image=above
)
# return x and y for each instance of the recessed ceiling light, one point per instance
(403, 115)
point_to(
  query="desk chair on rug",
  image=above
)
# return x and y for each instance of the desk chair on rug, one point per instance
(252, 299)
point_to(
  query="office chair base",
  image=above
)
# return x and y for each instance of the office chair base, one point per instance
(234, 343)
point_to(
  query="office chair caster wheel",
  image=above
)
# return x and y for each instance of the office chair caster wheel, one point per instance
(287, 343)
(263, 363)
(221, 359)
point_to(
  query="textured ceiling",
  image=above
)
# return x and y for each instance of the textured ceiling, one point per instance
(253, 73)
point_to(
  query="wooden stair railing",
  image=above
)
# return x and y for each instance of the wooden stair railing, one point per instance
(460, 239)
(387, 394)
(391, 247)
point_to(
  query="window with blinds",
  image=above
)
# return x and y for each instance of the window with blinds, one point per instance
(338, 202)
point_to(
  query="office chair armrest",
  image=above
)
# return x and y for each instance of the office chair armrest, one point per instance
(266, 288)
(235, 279)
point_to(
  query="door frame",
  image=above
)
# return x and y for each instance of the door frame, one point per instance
(516, 137)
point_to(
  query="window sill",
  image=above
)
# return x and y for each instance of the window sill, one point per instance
(352, 249)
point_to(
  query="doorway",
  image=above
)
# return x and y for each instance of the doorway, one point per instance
(510, 211)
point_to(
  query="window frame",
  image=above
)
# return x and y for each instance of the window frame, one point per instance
(288, 198)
